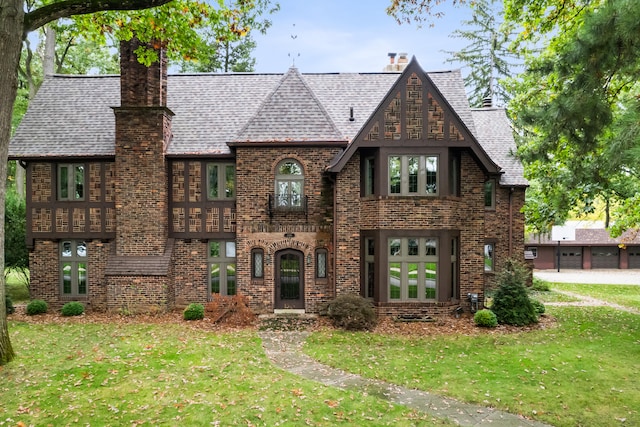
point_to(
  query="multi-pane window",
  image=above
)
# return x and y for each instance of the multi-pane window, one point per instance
(454, 268)
(413, 175)
(221, 181)
(257, 263)
(73, 268)
(413, 268)
(222, 267)
(289, 184)
(321, 264)
(489, 260)
(490, 194)
(71, 182)
(369, 267)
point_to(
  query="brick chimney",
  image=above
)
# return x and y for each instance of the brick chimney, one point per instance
(143, 130)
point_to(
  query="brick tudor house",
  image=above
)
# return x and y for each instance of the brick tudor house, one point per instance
(147, 192)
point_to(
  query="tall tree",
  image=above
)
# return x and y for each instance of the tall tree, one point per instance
(488, 55)
(173, 23)
(578, 107)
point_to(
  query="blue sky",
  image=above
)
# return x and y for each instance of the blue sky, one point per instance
(352, 36)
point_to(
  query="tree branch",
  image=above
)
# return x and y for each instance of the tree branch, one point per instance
(64, 9)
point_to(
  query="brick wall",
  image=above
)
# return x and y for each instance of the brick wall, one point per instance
(255, 173)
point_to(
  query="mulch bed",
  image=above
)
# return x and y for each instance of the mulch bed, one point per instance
(446, 325)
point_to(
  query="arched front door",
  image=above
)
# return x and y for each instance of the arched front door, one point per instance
(289, 280)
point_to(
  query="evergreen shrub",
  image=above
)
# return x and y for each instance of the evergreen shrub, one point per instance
(73, 308)
(194, 312)
(485, 318)
(511, 302)
(37, 306)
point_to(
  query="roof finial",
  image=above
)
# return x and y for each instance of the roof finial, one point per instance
(293, 56)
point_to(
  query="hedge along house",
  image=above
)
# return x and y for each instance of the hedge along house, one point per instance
(287, 188)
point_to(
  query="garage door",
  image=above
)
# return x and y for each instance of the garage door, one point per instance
(571, 257)
(605, 257)
(634, 256)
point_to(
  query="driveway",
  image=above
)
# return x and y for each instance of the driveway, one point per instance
(599, 276)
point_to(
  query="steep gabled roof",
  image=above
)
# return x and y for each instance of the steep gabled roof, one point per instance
(416, 111)
(72, 116)
(291, 113)
(495, 134)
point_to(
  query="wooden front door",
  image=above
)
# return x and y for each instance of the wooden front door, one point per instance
(289, 281)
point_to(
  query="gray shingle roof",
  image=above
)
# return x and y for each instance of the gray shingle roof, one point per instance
(494, 133)
(73, 116)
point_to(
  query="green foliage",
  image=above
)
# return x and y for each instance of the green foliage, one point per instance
(10, 309)
(538, 306)
(194, 312)
(488, 56)
(485, 318)
(73, 308)
(352, 312)
(16, 255)
(540, 285)
(36, 306)
(511, 303)
(576, 110)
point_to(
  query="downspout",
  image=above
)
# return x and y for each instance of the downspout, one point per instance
(511, 222)
(334, 237)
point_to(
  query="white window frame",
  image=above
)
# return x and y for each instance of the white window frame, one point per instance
(286, 185)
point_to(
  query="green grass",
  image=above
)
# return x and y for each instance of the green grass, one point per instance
(583, 372)
(551, 296)
(171, 374)
(16, 287)
(626, 295)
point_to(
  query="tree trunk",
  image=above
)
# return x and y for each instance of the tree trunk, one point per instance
(49, 63)
(11, 22)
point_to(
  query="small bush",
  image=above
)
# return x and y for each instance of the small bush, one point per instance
(73, 308)
(37, 306)
(10, 309)
(540, 285)
(194, 312)
(485, 318)
(538, 306)
(511, 302)
(352, 312)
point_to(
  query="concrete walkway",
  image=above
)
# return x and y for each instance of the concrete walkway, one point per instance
(284, 349)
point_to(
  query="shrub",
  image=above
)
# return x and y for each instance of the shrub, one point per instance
(485, 318)
(37, 306)
(352, 312)
(73, 308)
(511, 303)
(538, 306)
(10, 309)
(540, 285)
(194, 312)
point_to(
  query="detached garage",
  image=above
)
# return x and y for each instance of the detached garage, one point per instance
(593, 248)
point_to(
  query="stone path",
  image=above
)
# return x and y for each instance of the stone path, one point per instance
(284, 349)
(586, 301)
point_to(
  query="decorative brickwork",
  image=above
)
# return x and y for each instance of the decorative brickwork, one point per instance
(414, 107)
(41, 184)
(393, 119)
(435, 120)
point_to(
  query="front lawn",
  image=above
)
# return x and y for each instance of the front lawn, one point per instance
(583, 371)
(626, 295)
(77, 373)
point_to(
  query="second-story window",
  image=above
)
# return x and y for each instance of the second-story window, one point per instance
(71, 182)
(413, 175)
(221, 181)
(289, 184)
